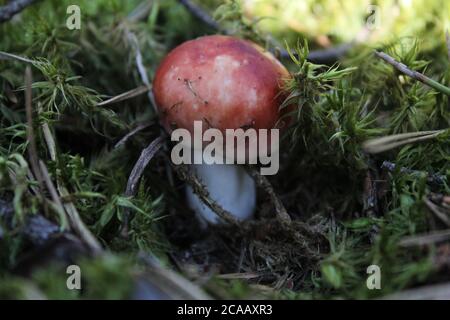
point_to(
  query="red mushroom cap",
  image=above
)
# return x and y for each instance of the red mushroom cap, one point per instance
(227, 83)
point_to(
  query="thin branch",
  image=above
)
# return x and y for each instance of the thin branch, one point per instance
(436, 210)
(200, 14)
(413, 74)
(10, 56)
(140, 64)
(447, 40)
(433, 292)
(53, 193)
(130, 134)
(264, 184)
(126, 95)
(32, 149)
(74, 217)
(14, 7)
(425, 239)
(141, 11)
(382, 144)
(370, 195)
(146, 155)
(324, 56)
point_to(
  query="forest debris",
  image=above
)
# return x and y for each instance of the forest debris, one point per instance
(425, 239)
(169, 283)
(447, 40)
(32, 149)
(147, 154)
(239, 275)
(6, 55)
(431, 177)
(264, 183)
(436, 210)
(200, 14)
(12, 8)
(370, 195)
(126, 95)
(72, 212)
(130, 134)
(413, 74)
(382, 144)
(318, 56)
(433, 292)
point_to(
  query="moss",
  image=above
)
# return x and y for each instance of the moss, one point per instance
(325, 179)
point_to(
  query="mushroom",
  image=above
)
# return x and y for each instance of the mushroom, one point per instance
(227, 83)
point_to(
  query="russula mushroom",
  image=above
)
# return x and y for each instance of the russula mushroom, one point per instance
(227, 83)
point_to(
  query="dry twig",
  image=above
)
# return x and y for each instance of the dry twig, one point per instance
(32, 149)
(413, 74)
(447, 40)
(130, 134)
(126, 95)
(264, 183)
(14, 7)
(318, 56)
(146, 155)
(437, 212)
(382, 144)
(425, 239)
(74, 217)
(434, 292)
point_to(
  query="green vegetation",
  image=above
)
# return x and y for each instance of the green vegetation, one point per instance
(349, 210)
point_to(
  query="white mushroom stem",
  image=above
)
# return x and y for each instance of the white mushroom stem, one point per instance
(229, 185)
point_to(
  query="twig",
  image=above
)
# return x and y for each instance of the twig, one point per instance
(425, 239)
(6, 55)
(74, 217)
(32, 149)
(264, 184)
(168, 283)
(53, 193)
(200, 14)
(432, 178)
(140, 64)
(433, 292)
(447, 40)
(146, 155)
(141, 11)
(378, 145)
(324, 56)
(189, 177)
(125, 96)
(437, 212)
(370, 195)
(144, 77)
(413, 74)
(13, 8)
(130, 134)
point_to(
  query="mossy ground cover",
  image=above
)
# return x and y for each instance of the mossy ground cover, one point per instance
(350, 208)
